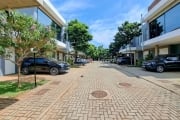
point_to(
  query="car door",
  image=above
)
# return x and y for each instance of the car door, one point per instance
(42, 65)
(172, 62)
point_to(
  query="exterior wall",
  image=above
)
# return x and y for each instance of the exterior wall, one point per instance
(163, 51)
(153, 4)
(9, 66)
(145, 53)
(1, 67)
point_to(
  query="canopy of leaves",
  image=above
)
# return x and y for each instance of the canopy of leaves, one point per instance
(78, 35)
(97, 52)
(19, 33)
(126, 32)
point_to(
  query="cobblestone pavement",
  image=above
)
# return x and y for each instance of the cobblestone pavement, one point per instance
(119, 96)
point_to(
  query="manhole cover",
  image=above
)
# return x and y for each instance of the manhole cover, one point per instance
(55, 83)
(125, 84)
(176, 85)
(99, 94)
(41, 92)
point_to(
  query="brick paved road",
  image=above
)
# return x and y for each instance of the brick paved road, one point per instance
(128, 98)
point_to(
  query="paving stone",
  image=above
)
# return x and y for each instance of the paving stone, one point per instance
(141, 100)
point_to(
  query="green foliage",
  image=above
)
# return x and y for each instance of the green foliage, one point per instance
(70, 61)
(126, 32)
(139, 62)
(9, 88)
(149, 56)
(78, 35)
(97, 52)
(19, 33)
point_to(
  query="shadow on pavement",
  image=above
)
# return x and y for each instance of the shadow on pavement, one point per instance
(137, 72)
(5, 102)
(118, 69)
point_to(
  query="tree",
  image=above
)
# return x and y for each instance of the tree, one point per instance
(126, 32)
(19, 33)
(78, 36)
(91, 51)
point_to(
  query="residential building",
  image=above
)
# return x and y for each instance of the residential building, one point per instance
(133, 49)
(45, 13)
(162, 28)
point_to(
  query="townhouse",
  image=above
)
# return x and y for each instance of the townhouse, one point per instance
(45, 13)
(161, 33)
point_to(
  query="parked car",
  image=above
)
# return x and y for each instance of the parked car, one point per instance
(80, 61)
(123, 60)
(43, 65)
(162, 63)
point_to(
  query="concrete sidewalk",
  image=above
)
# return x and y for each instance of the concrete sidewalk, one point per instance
(167, 80)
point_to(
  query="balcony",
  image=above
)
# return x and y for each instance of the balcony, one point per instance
(135, 45)
(163, 40)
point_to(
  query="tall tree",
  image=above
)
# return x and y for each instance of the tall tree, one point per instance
(78, 36)
(91, 51)
(126, 32)
(19, 33)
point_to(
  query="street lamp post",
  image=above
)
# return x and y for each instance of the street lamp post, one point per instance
(34, 51)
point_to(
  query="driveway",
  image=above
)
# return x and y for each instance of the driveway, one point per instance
(96, 91)
(168, 80)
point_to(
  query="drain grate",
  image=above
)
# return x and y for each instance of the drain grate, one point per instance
(42, 92)
(125, 84)
(55, 83)
(177, 85)
(99, 94)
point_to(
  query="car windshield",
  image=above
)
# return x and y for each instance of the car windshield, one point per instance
(57, 61)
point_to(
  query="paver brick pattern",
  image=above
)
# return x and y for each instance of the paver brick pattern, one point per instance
(140, 101)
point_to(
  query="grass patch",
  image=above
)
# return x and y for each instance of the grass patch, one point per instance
(9, 89)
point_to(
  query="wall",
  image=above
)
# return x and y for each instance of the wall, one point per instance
(163, 51)
(154, 3)
(9, 66)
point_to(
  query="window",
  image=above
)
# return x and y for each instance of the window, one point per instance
(167, 22)
(31, 11)
(157, 27)
(172, 18)
(172, 58)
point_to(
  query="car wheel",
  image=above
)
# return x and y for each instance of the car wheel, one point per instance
(25, 70)
(160, 68)
(54, 71)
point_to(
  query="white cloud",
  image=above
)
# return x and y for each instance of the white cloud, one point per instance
(103, 31)
(134, 15)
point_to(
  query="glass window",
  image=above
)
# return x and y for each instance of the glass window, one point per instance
(157, 27)
(32, 11)
(172, 18)
(46, 21)
(43, 18)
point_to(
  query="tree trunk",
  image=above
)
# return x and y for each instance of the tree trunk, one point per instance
(76, 56)
(19, 75)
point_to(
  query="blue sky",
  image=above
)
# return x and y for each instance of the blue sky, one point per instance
(102, 16)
